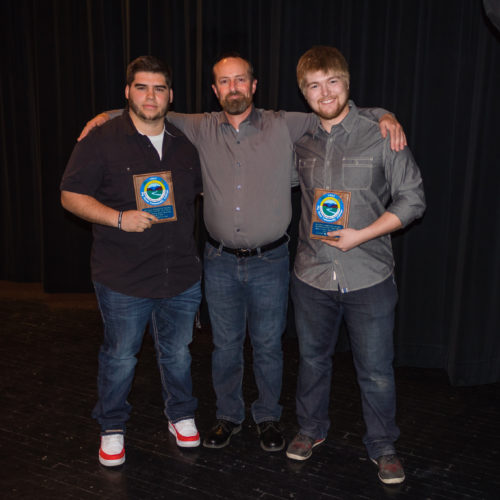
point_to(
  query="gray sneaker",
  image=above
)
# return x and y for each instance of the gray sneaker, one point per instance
(390, 470)
(301, 447)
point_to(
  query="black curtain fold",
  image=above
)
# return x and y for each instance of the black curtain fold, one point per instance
(435, 64)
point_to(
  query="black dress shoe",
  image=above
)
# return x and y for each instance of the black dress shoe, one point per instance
(220, 435)
(271, 438)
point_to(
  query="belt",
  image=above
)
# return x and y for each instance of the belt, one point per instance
(248, 252)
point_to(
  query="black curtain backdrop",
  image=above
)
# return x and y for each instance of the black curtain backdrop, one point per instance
(434, 63)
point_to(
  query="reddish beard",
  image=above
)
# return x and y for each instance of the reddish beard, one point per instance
(235, 105)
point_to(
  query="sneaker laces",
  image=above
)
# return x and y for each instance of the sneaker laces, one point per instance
(186, 427)
(112, 444)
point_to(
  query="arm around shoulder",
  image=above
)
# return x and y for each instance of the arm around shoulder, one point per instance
(299, 123)
(99, 120)
(388, 124)
(188, 124)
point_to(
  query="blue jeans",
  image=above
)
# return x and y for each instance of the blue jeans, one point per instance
(171, 325)
(369, 316)
(241, 290)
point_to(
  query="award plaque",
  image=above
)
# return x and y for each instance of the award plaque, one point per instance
(330, 212)
(154, 193)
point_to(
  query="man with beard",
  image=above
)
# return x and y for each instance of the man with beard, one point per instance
(145, 267)
(350, 276)
(247, 165)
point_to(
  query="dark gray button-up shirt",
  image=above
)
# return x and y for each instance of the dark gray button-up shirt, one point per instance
(354, 157)
(162, 261)
(247, 174)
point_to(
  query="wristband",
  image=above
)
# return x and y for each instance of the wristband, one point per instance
(120, 219)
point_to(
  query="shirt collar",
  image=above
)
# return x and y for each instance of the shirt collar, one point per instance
(131, 130)
(347, 123)
(253, 118)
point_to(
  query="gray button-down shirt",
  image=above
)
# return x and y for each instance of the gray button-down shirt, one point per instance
(247, 174)
(354, 157)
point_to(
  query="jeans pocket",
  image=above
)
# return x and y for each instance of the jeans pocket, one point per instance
(210, 252)
(276, 254)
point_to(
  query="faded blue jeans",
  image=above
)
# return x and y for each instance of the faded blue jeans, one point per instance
(125, 318)
(241, 291)
(369, 316)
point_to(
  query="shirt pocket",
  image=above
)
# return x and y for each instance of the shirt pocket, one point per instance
(307, 171)
(125, 168)
(357, 172)
(118, 182)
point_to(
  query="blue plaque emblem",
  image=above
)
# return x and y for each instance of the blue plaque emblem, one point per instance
(154, 190)
(330, 207)
(330, 213)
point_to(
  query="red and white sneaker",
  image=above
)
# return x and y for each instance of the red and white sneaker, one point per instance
(185, 432)
(112, 451)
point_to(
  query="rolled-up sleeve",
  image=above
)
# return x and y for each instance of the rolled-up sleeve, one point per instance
(407, 188)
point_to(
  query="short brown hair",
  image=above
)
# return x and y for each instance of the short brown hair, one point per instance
(321, 58)
(149, 64)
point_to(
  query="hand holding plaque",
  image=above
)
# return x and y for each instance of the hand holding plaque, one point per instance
(330, 212)
(154, 193)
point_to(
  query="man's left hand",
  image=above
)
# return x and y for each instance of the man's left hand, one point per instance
(345, 239)
(389, 124)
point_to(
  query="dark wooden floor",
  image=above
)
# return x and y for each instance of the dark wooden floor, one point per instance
(449, 441)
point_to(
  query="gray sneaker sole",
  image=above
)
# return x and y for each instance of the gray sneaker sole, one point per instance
(293, 456)
(392, 480)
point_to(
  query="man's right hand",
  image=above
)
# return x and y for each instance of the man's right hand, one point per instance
(92, 210)
(97, 121)
(136, 221)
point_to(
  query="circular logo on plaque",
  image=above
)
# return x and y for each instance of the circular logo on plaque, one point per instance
(154, 190)
(330, 207)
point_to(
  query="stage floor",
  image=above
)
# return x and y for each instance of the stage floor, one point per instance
(450, 439)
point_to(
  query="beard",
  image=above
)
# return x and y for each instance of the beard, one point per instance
(236, 105)
(161, 113)
(335, 113)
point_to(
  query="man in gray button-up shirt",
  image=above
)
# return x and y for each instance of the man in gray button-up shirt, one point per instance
(349, 277)
(247, 167)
